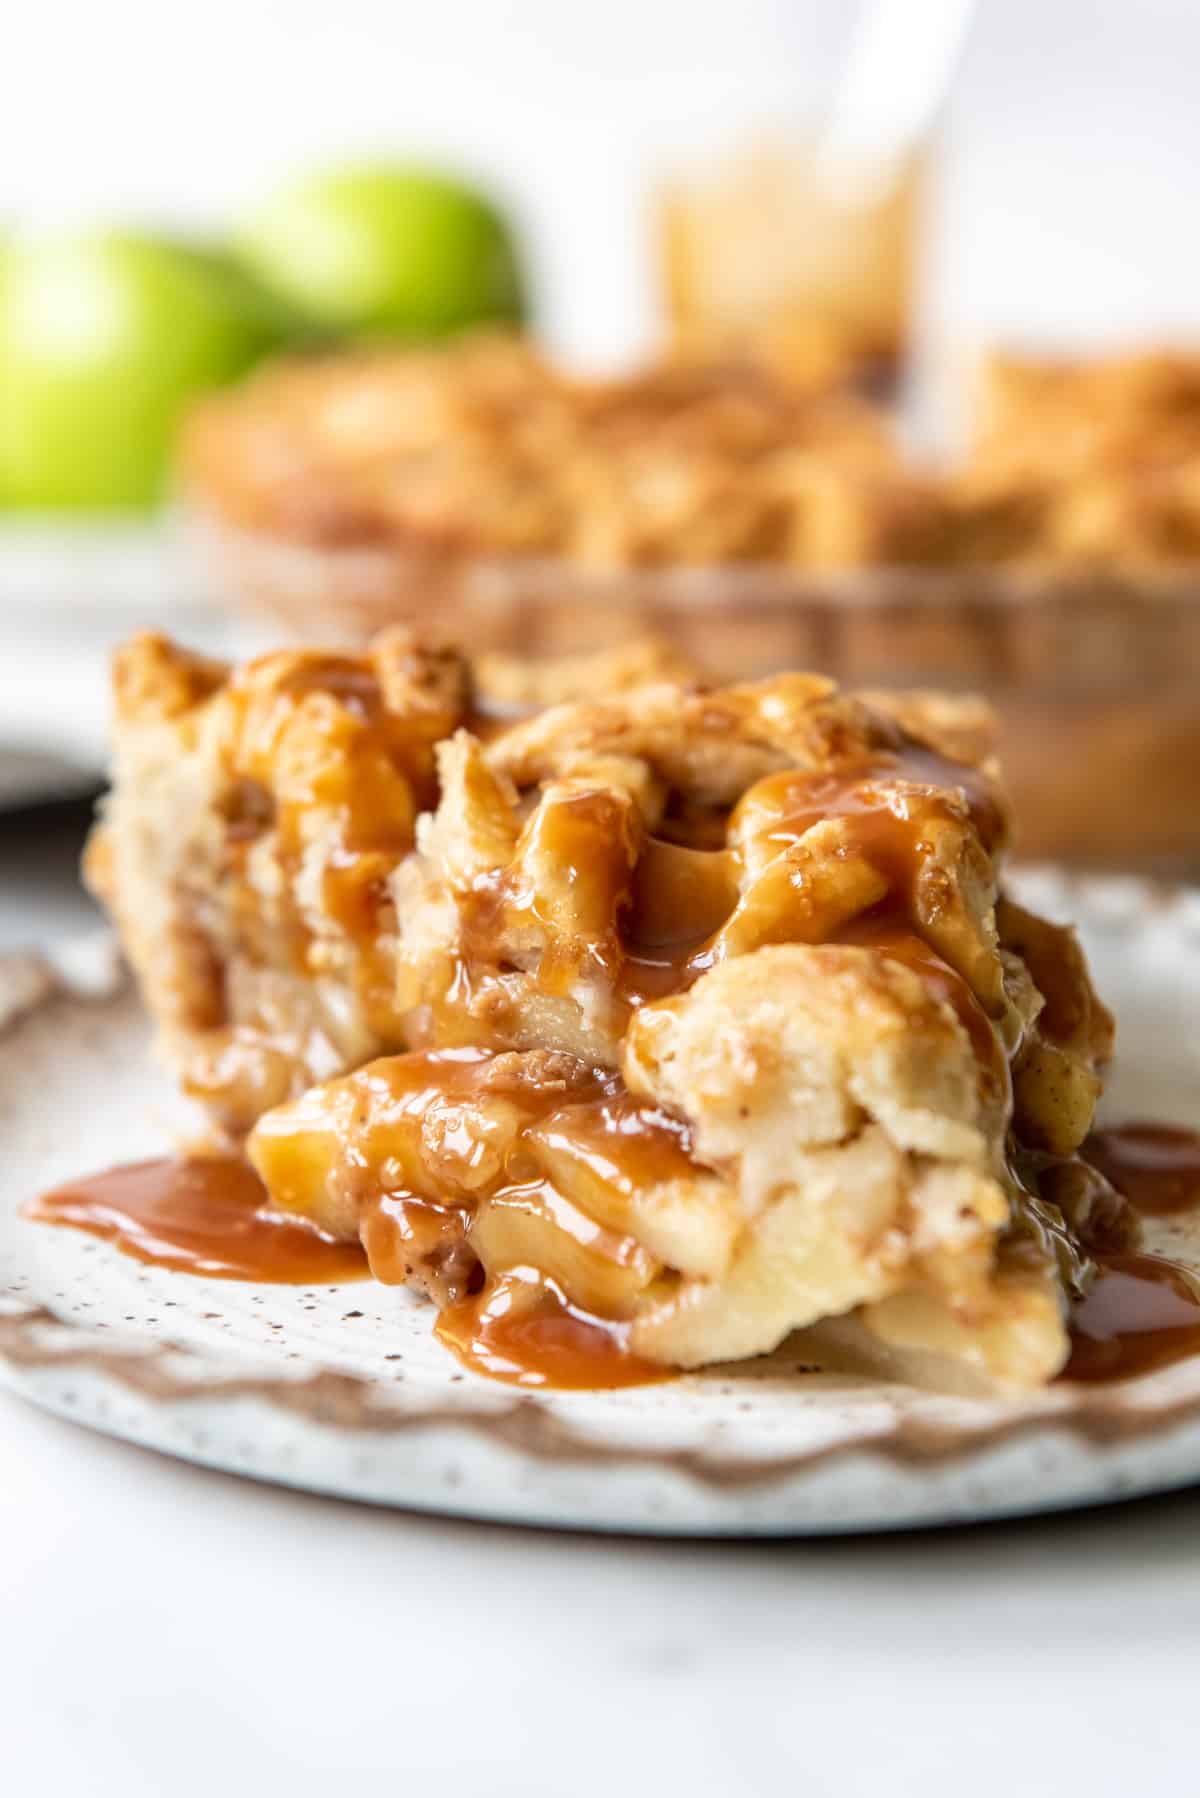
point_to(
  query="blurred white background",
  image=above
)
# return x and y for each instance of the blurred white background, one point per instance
(1072, 141)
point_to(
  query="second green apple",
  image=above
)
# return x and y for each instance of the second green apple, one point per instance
(389, 249)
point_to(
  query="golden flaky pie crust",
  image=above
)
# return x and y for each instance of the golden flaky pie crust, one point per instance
(701, 1003)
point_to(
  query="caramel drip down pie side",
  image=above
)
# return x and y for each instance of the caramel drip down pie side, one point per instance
(687, 1017)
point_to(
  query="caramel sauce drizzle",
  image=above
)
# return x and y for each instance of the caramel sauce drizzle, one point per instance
(523, 1331)
(681, 897)
(1157, 1167)
(324, 744)
(884, 931)
(1141, 1313)
(208, 1215)
(684, 894)
(632, 1144)
(445, 1223)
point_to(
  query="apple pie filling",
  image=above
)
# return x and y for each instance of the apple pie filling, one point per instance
(642, 1032)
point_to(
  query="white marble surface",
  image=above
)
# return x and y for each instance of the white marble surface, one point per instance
(168, 1630)
(165, 1630)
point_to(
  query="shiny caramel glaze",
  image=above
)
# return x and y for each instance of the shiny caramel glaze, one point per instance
(458, 1168)
(665, 901)
(316, 753)
(1139, 1311)
(389, 1125)
(649, 913)
(680, 893)
(208, 1215)
(681, 897)
(889, 933)
(1065, 1210)
(590, 838)
(412, 1241)
(1142, 1312)
(631, 1144)
(1087, 1208)
(685, 890)
(525, 1333)
(892, 791)
(1155, 1166)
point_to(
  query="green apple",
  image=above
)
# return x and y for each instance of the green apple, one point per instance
(104, 338)
(384, 248)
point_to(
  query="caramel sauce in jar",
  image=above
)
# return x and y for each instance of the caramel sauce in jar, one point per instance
(208, 1215)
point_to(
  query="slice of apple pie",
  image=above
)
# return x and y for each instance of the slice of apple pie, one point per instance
(639, 1032)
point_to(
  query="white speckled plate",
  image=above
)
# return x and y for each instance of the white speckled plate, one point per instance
(343, 1390)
